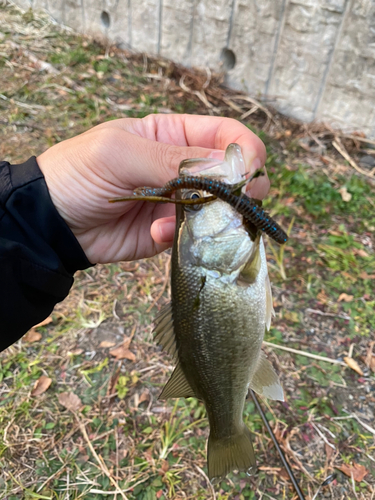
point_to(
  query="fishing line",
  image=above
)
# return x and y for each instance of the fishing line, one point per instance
(277, 446)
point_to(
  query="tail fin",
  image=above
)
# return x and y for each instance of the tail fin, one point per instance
(232, 453)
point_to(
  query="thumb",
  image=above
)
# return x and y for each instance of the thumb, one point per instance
(151, 163)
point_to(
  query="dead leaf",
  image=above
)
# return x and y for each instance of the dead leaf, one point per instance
(357, 471)
(70, 401)
(45, 322)
(329, 451)
(75, 352)
(345, 297)
(32, 336)
(345, 195)
(360, 252)
(370, 357)
(322, 297)
(283, 473)
(352, 363)
(107, 343)
(122, 352)
(145, 396)
(366, 276)
(41, 385)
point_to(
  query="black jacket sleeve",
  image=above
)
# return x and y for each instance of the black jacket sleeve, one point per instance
(38, 252)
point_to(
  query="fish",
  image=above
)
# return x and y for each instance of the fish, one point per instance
(220, 309)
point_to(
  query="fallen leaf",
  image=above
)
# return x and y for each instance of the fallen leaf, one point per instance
(329, 451)
(345, 195)
(283, 473)
(45, 322)
(122, 352)
(322, 297)
(361, 252)
(107, 343)
(370, 357)
(126, 342)
(41, 385)
(70, 401)
(366, 276)
(345, 297)
(145, 396)
(32, 336)
(357, 471)
(352, 363)
(75, 352)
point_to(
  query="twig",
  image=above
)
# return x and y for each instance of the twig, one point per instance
(357, 138)
(307, 354)
(353, 415)
(200, 94)
(99, 460)
(41, 65)
(340, 148)
(332, 315)
(323, 436)
(208, 481)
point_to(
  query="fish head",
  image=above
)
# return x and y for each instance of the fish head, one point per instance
(213, 235)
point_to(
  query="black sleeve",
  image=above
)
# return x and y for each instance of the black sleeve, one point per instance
(38, 252)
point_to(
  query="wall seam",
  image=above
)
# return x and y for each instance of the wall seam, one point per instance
(276, 47)
(231, 22)
(160, 25)
(190, 43)
(83, 15)
(130, 23)
(327, 71)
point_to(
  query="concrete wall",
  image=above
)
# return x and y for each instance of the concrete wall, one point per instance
(314, 58)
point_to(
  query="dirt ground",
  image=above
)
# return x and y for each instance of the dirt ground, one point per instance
(79, 414)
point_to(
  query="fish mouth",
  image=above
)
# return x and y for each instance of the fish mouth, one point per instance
(231, 170)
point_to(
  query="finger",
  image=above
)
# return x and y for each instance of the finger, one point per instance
(162, 230)
(259, 187)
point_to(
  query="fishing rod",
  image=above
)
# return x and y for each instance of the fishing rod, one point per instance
(277, 446)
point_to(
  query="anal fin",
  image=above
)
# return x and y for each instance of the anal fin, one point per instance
(265, 381)
(177, 386)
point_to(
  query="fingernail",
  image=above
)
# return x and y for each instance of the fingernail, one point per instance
(217, 154)
(166, 231)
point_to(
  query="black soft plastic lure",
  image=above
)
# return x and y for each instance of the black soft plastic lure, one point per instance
(247, 207)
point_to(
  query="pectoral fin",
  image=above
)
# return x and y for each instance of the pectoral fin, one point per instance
(177, 386)
(251, 269)
(164, 332)
(265, 382)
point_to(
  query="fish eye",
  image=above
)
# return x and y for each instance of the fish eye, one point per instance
(192, 195)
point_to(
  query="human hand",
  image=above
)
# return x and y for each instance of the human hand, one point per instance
(114, 158)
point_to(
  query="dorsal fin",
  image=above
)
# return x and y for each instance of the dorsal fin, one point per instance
(177, 386)
(164, 332)
(265, 382)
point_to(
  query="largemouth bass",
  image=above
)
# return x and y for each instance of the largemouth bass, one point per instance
(221, 306)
